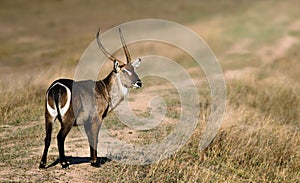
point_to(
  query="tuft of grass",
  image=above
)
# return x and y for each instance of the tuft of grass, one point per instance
(21, 105)
(265, 152)
(279, 102)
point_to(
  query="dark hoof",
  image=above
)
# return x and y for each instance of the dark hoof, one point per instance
(95, 164)
(42, 165)
(65, 165)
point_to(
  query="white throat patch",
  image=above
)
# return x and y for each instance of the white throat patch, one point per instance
(123, 89)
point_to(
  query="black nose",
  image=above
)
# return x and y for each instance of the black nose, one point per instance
(139, 83)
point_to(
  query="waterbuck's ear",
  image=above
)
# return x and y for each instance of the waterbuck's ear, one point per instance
(116, 66)
(136, 63)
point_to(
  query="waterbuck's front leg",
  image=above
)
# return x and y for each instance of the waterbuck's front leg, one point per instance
(92, 130)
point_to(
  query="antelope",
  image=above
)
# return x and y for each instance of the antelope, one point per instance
(87, 102)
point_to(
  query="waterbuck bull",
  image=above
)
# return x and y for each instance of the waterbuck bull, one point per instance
(87, 102)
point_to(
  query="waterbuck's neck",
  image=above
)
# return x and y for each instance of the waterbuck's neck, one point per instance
(115, 89)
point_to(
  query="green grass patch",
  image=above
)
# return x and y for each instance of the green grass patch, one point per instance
(239, 61)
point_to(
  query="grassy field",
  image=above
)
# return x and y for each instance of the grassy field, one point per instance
(256, 43)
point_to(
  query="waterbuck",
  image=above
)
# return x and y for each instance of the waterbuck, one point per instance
(87, 102)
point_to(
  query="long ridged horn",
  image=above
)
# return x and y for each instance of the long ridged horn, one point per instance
(127, 54)
(101, 47)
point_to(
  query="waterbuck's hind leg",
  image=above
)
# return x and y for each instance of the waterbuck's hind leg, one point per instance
(48, 124)
(61, 136)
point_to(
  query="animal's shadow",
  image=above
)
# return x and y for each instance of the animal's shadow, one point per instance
(80, 160)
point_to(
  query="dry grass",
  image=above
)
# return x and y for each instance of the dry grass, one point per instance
(259, 140)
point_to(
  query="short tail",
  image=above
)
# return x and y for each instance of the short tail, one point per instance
(57, 95)
(58, 100)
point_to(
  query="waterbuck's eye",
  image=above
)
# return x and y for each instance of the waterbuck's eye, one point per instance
(127, 71)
